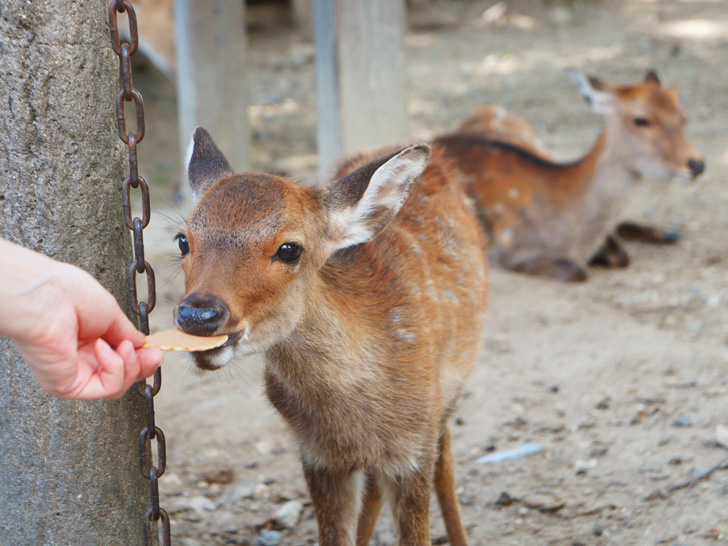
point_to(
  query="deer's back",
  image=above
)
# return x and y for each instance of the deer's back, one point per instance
(525, 201)
(427, 268)
(495, 123)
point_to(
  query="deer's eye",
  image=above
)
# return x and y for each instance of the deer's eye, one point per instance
(289, 253)
(184, 246)
(641, 122)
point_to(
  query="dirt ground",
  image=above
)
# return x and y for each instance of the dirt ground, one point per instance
(621, 380)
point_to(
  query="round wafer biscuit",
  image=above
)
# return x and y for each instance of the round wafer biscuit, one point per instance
(177, 340)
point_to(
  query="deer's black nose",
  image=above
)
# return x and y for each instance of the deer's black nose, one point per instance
(201, 314)
(697, 166)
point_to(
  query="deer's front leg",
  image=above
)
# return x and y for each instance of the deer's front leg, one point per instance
(336, 498)
(612, 254)
(631, 231)
(563, 269)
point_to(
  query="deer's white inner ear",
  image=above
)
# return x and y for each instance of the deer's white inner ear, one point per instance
(388, 188)
(601, 101)
(353, 232)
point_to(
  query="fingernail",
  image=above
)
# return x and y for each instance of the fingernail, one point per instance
(130, 352)
(158, 355)
(104, 347)
(151, 356)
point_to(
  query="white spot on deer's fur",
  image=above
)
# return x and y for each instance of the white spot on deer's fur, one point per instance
(445, 222)
(406, 335)
(514, 193)
(451, 295)
(430, 290)
(395, 316)
(416, 248)
(499, 208)
(451, 248)
(506, 237)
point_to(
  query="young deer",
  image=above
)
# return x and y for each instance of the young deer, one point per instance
(547, 218)
(367, 299)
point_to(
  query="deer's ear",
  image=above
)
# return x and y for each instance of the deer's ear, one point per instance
(362, 203)
(652, 76)
(205, 162)
(594, 90)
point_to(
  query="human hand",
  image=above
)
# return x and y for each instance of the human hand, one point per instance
(69, 329)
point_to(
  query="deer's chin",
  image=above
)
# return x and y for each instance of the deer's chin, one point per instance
(667, 174)
(684, 176)
(657, 174)
(214, 359)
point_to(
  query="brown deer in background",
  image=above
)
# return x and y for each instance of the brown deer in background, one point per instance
(367, 299)
(552, 219)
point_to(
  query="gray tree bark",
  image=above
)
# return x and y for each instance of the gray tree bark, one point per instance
(69, 471)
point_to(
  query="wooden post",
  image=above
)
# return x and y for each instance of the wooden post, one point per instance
(360, 75)
(69, 471)
(211, 78)
(303, 16)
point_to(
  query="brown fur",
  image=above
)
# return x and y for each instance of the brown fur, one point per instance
(546, 218)
(367, 349)
(493, 122)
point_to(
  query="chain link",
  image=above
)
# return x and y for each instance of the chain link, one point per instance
(151, 433)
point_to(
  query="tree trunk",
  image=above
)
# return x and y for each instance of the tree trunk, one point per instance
(69, 471)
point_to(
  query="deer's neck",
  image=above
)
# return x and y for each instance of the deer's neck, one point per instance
(604, 182)
(325, 381)
(332, 330)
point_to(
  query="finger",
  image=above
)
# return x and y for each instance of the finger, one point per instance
(131, 364)
(108, 381)
(99, 314)
(120, 329)
(149, 360)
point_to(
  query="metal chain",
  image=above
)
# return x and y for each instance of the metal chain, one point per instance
(140, 266)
